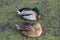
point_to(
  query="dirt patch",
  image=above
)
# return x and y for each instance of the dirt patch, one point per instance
(6, 26)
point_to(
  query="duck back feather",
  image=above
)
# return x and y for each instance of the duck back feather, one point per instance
(25, 9)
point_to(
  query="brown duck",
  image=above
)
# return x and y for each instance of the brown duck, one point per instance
(29, 29)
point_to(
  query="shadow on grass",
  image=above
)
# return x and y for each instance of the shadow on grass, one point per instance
(6, 26)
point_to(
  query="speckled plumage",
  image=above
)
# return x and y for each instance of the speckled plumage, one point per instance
(29, 29)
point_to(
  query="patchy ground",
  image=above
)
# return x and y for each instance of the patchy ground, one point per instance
(50, 19)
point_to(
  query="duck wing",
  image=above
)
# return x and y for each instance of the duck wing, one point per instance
(30, 17)
(25, 12)
(25, 26)
(24, 9)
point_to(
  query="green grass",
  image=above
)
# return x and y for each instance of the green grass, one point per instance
(50, 20)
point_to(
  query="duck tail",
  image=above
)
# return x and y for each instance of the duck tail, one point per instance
(18, 28)
(18, 12)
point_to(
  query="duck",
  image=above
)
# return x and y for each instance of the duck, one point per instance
(29, 13)
(29, 29)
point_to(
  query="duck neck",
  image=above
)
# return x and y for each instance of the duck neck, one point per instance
(38, 15)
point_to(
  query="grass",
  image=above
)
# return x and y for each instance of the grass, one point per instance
(50, 20)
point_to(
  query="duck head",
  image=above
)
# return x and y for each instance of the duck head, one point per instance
(36, 9)
(38, 15)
